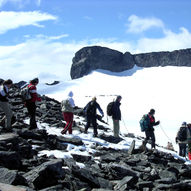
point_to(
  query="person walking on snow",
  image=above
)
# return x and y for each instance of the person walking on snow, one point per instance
(31, 104)
(90, 111)
(67, 106)
(149, 130)
(4, 102)
(116, 115)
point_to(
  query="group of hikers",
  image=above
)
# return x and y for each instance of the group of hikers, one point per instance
(90, 110)
(30, 104)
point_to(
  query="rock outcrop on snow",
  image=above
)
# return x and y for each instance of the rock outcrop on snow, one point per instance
(23, 169)
(92, 58)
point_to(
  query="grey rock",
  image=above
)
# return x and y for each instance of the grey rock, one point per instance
(45, 175)
(11, 177)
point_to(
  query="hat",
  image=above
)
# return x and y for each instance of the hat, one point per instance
(184, 124)
(70, 94)
(34, 81)
(152, 111)
(118, 97)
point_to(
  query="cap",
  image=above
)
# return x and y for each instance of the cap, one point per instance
(152, 111)
(184, 123)
(34, 81)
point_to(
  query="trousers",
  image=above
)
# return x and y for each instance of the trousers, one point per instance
(68, 117)
(8, 113)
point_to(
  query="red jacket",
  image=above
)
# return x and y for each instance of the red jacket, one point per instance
(33, 92)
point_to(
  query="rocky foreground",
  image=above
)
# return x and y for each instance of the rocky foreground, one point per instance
(22, 169)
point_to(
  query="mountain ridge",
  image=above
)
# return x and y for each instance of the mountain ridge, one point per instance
(92, 58)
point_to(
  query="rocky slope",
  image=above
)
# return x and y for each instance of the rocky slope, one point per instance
(22, 169)
(88, 59)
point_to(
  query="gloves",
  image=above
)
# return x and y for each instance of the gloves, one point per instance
(157, 123)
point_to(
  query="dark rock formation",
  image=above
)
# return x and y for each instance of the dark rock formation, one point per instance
(91, 58)
(88, 59)
(53, 83)
(175, 58)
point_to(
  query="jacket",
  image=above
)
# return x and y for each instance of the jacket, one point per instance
(150, 123)
(91, 107)
(33, 92)
(188, 136)
(116, 112)
(4, 93)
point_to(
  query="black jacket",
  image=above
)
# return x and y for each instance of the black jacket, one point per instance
(91, 107)
(116, 112)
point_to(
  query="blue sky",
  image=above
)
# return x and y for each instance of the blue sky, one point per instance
(40, 37)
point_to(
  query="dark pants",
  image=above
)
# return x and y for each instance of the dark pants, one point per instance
(182, 149)
(31, 107)
(91, 120)
(150, 135)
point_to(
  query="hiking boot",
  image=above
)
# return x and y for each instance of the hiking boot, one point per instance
(154, 150)
(8, 130)
(144, 148)
(63, 132)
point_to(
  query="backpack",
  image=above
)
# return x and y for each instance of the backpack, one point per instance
(25, 94)
(182, 134)
(143, 123)
(110, 108)
(66, 106)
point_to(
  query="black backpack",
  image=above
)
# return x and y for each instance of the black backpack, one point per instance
(182, 134)
(110, 108)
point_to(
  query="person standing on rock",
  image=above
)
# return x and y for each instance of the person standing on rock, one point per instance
(149, 130)
(91, 116)
(181, 139)
(67, 107)
(31, 103)
(4, 102)
(116, 115)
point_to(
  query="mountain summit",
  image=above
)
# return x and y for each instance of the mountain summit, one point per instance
(92, 58)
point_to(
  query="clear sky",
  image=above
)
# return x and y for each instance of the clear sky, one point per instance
(40, 37)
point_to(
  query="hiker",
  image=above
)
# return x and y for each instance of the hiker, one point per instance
(67, 106)
(90, 112)
(116, 115)
(4, 103)
(149, 130)
(183, 138)
(31, 103)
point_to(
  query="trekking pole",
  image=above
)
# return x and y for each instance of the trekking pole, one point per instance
(166, 134)
(124, 124)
